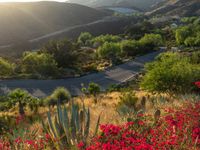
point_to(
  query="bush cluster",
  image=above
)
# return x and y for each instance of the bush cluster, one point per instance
(171, 73)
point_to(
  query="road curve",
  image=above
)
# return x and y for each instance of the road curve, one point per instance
(116, 75)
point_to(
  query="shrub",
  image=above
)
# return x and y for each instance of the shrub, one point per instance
(6, 67)
(63, 51)
(151, 41)
(85, 39)
(128, 99)
(131, 48)
(70, 127)
(39, 63)
(60, 95)
(110, 51)
(178, 129)
(182, 33)
(188, 35)
(171, 73)
(100, 40)
(93, 89)
(20, 97)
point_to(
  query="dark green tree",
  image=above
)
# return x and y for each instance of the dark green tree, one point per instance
(63, 51)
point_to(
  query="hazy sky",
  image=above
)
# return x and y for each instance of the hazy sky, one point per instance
(30, 0)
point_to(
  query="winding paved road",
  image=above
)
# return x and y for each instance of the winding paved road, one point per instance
(115, 75)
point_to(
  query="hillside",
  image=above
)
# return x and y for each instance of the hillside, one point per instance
(24, 21)
(141, 4)
(177, 7)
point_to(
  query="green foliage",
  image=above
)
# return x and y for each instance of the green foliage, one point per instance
(63, 51)
(100, 40)
(171, 73)
(128, 99)
(70, 126)
(85, 39)
(195, 57)
(20, 97)
(182, 33)
(6, 67)
(131, 48)
(189, 19)
(189, 35)
(93, 89)
(60, 95)
(109, 51)
(151, 41)
(39, 63)
(138, 30)
(113, 87)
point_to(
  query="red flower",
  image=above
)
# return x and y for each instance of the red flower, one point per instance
(197, 84)
(173, 131)
(81, 145)
(18, 140)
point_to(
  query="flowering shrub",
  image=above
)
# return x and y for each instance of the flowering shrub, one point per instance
(21, 138)
(197, 84)
(178, 129)
(25, 144)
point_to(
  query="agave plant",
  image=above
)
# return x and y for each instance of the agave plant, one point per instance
(69, 126)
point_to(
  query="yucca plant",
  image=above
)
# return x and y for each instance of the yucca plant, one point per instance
(69, 126)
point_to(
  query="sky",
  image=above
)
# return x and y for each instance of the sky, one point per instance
(30, 0)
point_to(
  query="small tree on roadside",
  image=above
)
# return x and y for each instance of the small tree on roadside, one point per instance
(94, 90)
(109, 51)
(60, 95)
(20, 97)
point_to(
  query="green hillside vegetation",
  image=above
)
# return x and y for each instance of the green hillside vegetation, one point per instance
(89, 53)
(57, 58)
(172, 73)
(189, 34)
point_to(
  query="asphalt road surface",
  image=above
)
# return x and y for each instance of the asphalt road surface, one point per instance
(116, 75)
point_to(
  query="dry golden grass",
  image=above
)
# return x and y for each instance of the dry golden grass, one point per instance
(105, 107)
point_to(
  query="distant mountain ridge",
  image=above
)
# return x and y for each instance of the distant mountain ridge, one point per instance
(24, 21)
(141, 4)
(177, 7)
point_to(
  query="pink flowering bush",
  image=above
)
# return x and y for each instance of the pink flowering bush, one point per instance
(178, 129)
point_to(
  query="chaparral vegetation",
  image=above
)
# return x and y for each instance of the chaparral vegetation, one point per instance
(158, 109)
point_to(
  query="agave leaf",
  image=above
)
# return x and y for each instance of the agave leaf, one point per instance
(51, 124)
(82, 121)
(57, 127)
(77, 119)
(60, 114)
(97, 125)
(73, 124)
(66, 124)
(87, 127)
